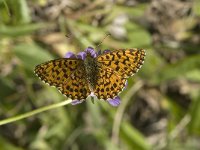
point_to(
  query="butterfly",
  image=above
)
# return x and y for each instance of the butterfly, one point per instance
(103, 75)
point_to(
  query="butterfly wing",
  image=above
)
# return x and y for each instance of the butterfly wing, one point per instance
(125, 62)
(76, 86)
(114, 69)
(66, 75)
(109, 84)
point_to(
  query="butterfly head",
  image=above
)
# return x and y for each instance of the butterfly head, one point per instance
(87, 53)
(90, 52)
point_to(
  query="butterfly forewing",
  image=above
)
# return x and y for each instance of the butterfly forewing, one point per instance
(66, 75)
(125, 62)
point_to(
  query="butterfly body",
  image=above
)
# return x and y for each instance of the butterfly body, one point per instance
(91, 70)
(104, 75)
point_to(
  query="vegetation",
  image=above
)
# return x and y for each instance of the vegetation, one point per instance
(160, 108)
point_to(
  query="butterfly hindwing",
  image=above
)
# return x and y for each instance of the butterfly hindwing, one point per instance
(76, 86)
(109, 84)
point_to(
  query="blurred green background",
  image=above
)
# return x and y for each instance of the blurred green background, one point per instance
(160, 109)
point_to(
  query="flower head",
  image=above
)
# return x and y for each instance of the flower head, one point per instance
(91, 51)
(82, 55)
(70, 55)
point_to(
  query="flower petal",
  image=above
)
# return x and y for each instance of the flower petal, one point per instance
(114, 102)
(91, 51)
(70, 55)
(75, 102)
(81, 55)
(106, 51)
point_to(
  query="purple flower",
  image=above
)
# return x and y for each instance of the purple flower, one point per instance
(70, 55)
(91, 51)
(115, 101)
(82, 55)
(75, 102)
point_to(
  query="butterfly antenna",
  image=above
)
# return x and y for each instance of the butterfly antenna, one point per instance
(102, 41)
(68, 36)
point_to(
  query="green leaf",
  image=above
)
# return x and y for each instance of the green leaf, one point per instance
(138, 36)
(7, 86)
(194, 125)
(120, 9)
(17, 12)
(196, 7)
(95, 113)
(20, 29)
(5, 145)
(31, 55)
(193, 75)
(187, 68)
(133, 138)
(151, 66)
(23, 11)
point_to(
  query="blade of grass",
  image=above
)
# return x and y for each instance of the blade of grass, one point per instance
(6, 6)
(194, 126)
(20, 30)
(34, 112)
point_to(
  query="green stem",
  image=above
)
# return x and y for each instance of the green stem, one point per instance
(31, 113)
(7, 9)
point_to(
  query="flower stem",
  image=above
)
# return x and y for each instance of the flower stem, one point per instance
(31, 113)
